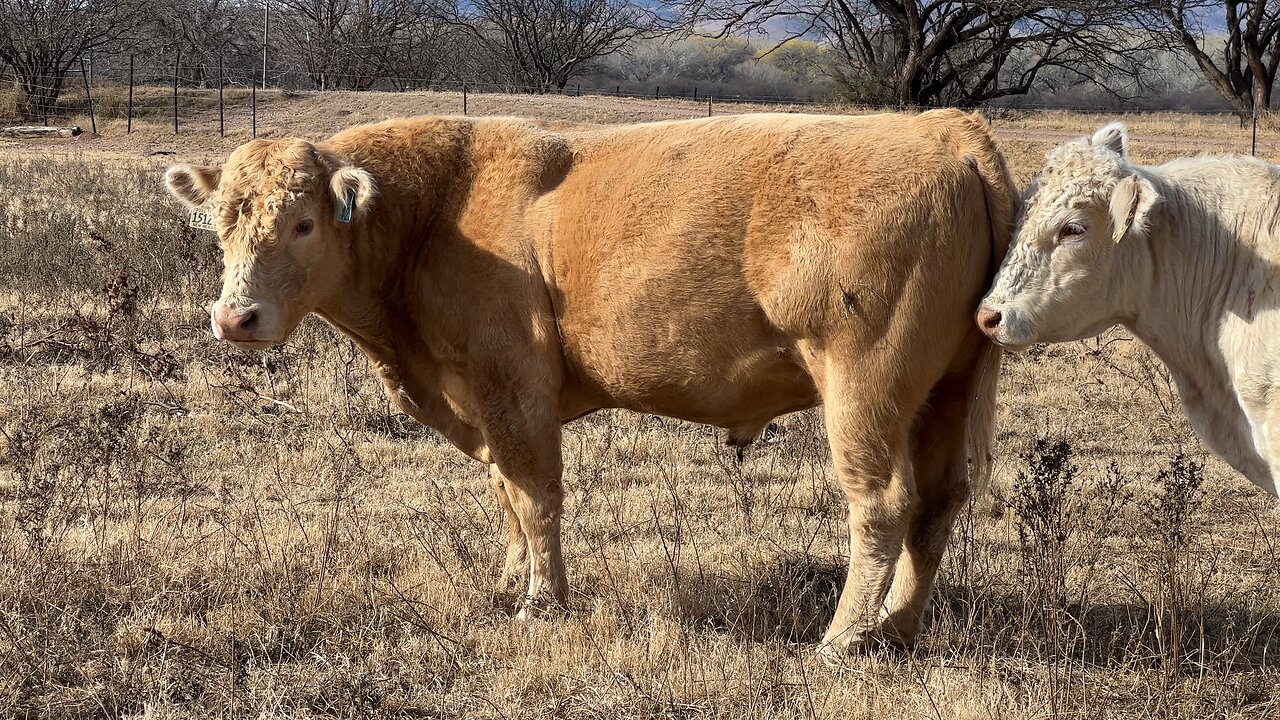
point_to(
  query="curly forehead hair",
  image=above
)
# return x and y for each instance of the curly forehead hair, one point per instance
(263, 178)
(1079, 171)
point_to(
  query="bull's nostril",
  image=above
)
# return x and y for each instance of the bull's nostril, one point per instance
(989, 319)
(248, 321)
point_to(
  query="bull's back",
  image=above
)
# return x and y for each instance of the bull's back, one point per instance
(691, 259)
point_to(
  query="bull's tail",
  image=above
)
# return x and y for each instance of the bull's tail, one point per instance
(981, 435)
(1000, 193)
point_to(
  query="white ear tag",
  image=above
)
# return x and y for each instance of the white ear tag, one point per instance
(201, 219)
(348, 204)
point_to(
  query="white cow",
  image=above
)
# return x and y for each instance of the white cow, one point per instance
(1183, 255)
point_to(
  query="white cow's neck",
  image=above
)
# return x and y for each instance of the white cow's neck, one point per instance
(1178, 297)
(1196, 261)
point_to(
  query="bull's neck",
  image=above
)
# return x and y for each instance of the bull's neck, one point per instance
(1192, 281)
(419, 185)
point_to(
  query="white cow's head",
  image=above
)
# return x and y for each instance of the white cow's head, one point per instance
(1065, 273)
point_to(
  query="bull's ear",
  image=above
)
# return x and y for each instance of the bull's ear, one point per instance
(353, 190)
(1131, 204)
(1114, 137)
(192, 184)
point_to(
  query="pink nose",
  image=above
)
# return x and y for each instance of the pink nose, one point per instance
(235, 324)
(989, 320)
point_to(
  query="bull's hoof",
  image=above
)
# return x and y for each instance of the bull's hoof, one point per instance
(540, 607)
(850, 644)
(510, 581)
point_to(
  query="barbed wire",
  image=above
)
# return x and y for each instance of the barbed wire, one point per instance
(195, 80)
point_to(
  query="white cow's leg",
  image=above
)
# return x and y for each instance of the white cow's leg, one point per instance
(515, 570)
(869, 447)
(1262, 465)
(942, 483)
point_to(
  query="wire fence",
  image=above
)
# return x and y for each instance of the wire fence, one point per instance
(175, 93)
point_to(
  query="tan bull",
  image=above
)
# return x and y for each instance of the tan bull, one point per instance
(504, 279)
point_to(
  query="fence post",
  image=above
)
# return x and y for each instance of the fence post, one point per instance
(695, 93)
(266, 35)
(617, 91)
(129, 121)
(709, 97)
(579, 89)
(1253, 149)
(464, 98)
(222, 117)
(93, 123)
(177, 57)
(253, 100)
(656, 90)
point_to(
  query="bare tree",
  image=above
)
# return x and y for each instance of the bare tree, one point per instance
(206, 32)
(42, 40)
(545, 42)
(355, 43)
(927, 52)
(1250, 52)
(420, 55)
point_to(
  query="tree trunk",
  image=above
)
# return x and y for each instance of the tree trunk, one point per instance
(41, 87)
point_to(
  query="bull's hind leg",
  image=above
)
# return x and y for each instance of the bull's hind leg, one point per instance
(868, 423)
(515, 570)
(942, 484)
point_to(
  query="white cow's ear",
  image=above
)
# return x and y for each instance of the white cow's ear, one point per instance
(192, 184)
(1131, 204)
(355, 186)
(1114, 137)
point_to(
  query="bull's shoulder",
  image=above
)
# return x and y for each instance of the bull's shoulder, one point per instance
(471, 139)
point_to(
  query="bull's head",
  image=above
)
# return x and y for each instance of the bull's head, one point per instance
(283, 210)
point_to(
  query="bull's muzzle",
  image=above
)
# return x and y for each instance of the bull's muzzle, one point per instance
(235, 324)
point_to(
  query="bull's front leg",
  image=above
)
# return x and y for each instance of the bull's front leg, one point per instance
(515, 570)
(537, 502)
(520, 420)
(526, 476)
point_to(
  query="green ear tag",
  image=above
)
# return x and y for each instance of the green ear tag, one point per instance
(348, 204)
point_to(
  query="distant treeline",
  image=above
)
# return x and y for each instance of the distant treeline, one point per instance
(1126, 55)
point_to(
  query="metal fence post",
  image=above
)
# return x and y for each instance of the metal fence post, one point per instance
(177, 57)
(464, 98)
(129, 121)
(222, 116)
(93, 123)
(266, 35)
(1253, 149)
(657, 89)
(253, 101)
(709, 97)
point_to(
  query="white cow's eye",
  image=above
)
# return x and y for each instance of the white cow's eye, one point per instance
(1070, 230)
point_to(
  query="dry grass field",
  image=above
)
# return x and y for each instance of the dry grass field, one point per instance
(191, 531)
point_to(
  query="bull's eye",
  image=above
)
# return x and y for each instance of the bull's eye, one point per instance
(1071, 231)
(304, 226)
